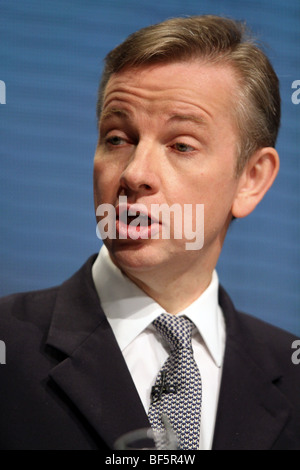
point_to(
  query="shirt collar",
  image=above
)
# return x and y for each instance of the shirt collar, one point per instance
(130, 310)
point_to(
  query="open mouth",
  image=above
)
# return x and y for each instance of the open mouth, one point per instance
(138, 220)
(135, 222)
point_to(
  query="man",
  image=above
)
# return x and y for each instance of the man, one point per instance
(188, 112)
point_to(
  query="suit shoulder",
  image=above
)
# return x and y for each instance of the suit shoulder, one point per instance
(250, 326)
(265, 332)
(26, 308)
(274, 346)
(268, 346)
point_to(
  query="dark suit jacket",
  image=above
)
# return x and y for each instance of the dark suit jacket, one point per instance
(65, 384)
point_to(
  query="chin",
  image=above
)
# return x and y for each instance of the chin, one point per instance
(136, 257)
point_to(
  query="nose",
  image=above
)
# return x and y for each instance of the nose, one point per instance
(141, 175)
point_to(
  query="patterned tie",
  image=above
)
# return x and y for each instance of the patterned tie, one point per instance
(177, 391)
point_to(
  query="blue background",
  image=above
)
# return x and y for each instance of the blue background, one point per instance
(51, 56)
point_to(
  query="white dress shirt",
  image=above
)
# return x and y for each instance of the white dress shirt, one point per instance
(130, 312)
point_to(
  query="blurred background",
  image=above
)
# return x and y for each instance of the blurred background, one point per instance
(51, 58)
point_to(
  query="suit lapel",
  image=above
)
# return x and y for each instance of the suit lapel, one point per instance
(252, 412)
(94, 375)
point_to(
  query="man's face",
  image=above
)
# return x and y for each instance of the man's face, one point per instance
(167, 136)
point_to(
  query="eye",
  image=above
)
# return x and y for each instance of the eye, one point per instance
(114, 140)
(183, 148)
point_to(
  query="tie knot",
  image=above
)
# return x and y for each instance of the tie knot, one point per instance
(177, 331)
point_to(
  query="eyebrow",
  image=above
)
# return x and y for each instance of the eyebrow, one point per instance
(114, 112)
(189, 117)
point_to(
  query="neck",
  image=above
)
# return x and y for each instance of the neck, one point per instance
(174, 293)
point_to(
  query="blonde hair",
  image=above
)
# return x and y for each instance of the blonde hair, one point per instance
(216, 40)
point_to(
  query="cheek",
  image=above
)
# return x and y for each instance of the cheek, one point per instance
(98, 183)
(105, 181)
(216, 192)
(218, 203)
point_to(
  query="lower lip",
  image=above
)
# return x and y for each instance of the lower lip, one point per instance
(139, 232)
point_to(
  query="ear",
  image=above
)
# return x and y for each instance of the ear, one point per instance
(256, 179)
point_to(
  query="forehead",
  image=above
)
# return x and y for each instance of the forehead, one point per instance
(194, 85)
